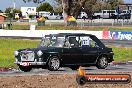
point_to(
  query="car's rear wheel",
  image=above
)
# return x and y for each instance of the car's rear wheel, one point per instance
(102, 62)
(25, 68)
(53, 63)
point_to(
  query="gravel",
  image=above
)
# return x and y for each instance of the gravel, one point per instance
(52, 81)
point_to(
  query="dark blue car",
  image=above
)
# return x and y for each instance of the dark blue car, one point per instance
(65, 50)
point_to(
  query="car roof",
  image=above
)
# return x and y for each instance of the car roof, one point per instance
(77, 34)
(69, 34)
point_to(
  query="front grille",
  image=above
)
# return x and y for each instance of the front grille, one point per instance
(27, 56)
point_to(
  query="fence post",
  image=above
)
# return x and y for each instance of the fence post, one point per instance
(122, 22)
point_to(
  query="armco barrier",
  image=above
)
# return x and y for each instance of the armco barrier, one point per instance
(114, 35)
(117, 35)
(41, 33)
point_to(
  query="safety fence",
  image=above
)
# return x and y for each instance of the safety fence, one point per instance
(113, 35)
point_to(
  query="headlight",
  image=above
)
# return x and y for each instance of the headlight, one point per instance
(16, 53)
(39, 53)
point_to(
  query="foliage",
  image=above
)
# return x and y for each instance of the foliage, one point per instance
(73, 7)
(8, 10)
(11, 12)
(88, 7)
(59, 9)
(92, 6)
(45, 7)
(17, 11)
(114, 3)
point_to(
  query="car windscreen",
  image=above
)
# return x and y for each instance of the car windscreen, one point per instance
(99, 43)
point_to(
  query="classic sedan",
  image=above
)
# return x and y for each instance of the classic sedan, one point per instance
(65, 50)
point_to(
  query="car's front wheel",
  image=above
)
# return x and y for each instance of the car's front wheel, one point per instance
(54, 63)
(25, 68)
(102, 62)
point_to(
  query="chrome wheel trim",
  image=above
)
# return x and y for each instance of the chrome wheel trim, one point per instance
(55, 63)
(103, 62)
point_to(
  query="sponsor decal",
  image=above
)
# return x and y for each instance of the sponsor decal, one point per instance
(84, 78)
(117, 35)
(105, 35)
(120, 35)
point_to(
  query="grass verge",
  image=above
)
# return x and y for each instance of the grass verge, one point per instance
(122, 53)
(7, 48)
(61, 26)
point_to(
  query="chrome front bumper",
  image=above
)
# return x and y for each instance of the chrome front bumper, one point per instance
(31, 63)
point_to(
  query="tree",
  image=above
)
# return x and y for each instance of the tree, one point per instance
(88, 7)
(59, 9)
(115, 3)
(92, 6)
(11, 12)
(73, 7)
(45, 7)
(8, 10)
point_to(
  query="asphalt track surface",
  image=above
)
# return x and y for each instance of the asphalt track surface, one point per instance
(122, 43)
(112, 67)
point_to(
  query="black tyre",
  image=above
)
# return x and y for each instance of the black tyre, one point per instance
(25, 68)
(53, 63)
(81, 80)
(102, 62)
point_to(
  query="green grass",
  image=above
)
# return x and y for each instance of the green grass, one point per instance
(122, 53)
(61, 26)
(8, 46)
(121, 28)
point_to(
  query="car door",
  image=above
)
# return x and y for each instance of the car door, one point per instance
(72, 54)
(90, 50)
(90, 54)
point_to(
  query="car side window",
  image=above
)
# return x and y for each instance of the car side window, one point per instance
(67, 44)
(86, 41)
(93, 44)
(72, 42)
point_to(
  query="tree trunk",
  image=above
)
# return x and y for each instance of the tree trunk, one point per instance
(64, 4)
(77, 7)
(72, 7)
